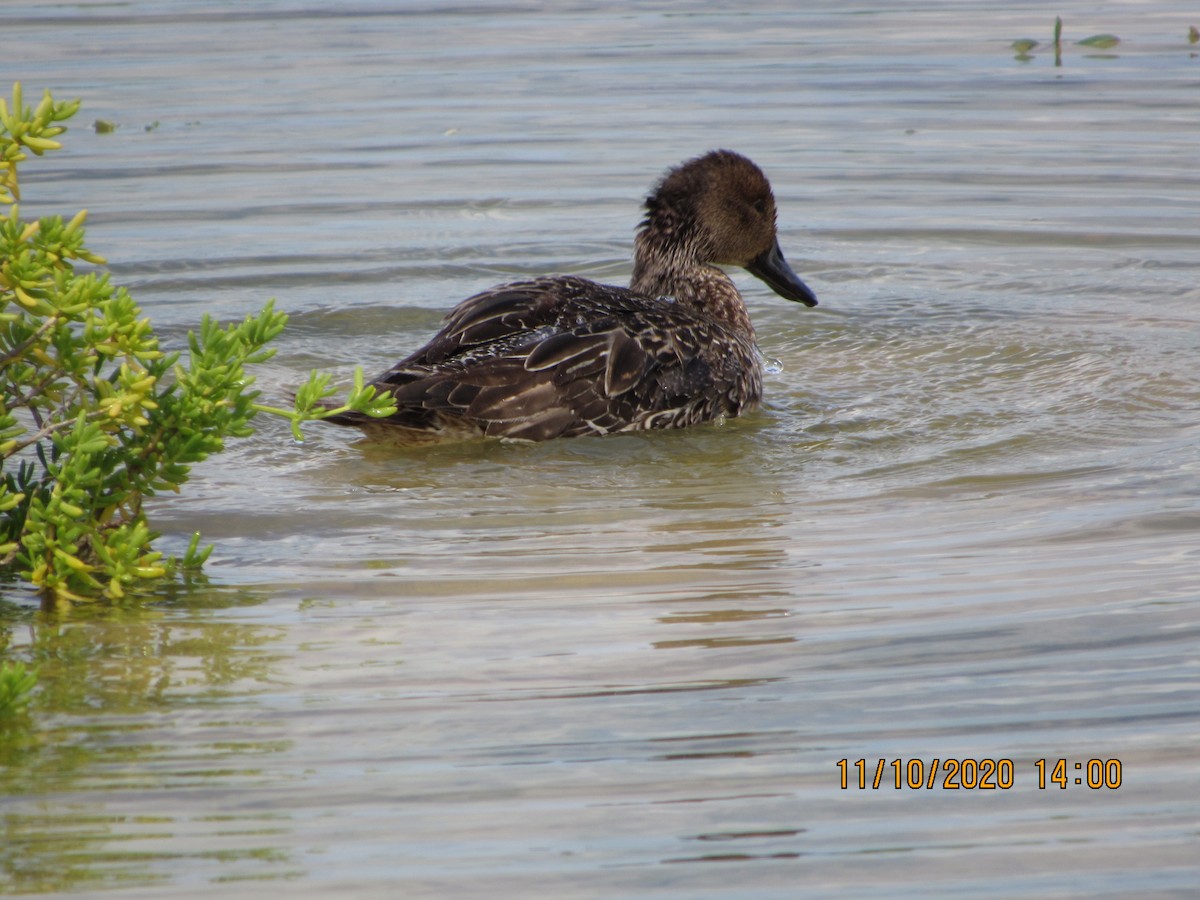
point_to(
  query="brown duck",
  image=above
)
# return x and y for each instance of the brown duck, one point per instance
(562, 356)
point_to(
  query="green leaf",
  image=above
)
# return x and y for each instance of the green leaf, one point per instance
(1100, 41)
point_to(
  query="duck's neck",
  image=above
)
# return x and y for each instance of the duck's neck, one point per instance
(673, 269)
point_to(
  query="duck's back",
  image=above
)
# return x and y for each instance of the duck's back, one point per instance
(564, 356)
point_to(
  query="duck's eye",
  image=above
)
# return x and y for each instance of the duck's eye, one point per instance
(760, 207)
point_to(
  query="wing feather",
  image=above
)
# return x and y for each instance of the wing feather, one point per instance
(563, 347)
(626, 365)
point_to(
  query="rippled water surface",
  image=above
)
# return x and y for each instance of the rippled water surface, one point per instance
(964, 526)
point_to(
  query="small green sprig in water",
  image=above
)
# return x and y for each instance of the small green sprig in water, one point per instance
(16, 688)
(310, 405)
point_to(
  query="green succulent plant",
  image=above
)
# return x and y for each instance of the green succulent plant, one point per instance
(94, 415)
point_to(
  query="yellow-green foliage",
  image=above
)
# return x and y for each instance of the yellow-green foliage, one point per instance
(94, 416)
(16, 685)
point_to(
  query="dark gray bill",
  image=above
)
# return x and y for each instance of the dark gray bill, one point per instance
(773, 269)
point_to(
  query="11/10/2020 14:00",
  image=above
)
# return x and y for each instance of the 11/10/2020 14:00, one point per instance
(975, 774)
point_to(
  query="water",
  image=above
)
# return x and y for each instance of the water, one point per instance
(965, 525)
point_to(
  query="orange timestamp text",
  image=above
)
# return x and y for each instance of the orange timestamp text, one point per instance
(966, 773)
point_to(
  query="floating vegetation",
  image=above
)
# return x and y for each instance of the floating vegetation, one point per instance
(104, 126)
(1023, 47)
(1100, 41)
(1193, 35)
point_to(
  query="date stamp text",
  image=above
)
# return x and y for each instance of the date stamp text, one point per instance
(967, 774)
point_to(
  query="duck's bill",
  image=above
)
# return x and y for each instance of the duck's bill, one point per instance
(773, 269)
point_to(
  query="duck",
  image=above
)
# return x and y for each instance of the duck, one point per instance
(562, 356)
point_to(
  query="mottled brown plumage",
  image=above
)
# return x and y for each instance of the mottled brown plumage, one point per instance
(563, 356)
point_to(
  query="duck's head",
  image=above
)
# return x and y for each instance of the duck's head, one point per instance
(719, 208)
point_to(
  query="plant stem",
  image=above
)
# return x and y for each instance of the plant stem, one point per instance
(49, 325)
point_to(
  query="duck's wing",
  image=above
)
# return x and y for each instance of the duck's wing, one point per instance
(562, 357)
